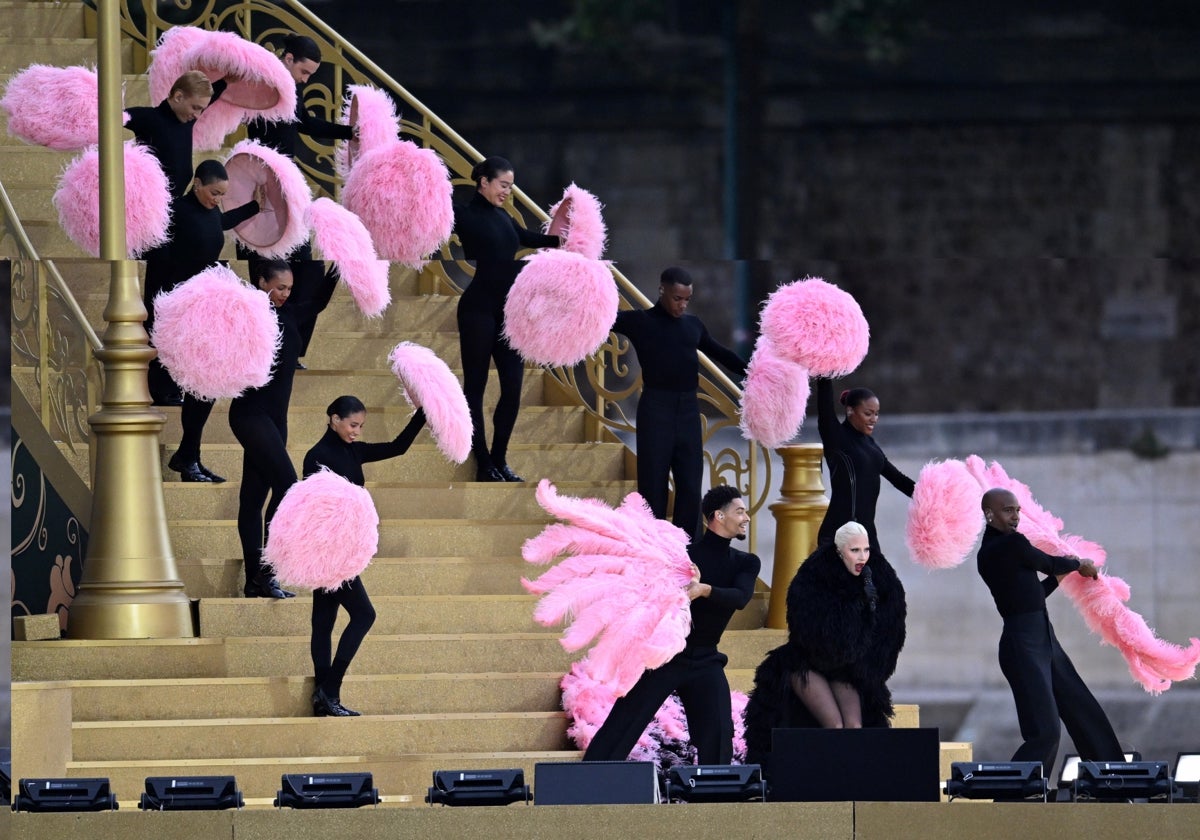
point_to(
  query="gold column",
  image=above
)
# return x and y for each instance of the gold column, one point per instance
(130, 587)
(798, 516)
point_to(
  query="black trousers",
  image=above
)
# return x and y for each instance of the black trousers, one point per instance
(481, 342)
(160, 277)
(698, 675)
(1046, 687)
(193, 416)
(267, 473)
(353, 596)
(669, 443)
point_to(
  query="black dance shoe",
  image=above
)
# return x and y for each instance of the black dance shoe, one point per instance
(326, 706)
(266, 587)
(488, 474)
(212, 476)
(507, 474)
(300, 365)
(192, 472)
(167, 400)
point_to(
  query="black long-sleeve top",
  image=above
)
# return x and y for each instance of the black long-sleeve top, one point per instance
(666, 348)
(197, 234)
(169, 139)
(283, 136)
(346, 459)
(1009, 564)
(732, 575)
(273, 398)
(491, 237)
(856, 464)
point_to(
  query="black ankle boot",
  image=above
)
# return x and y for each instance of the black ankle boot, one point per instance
(326, 706)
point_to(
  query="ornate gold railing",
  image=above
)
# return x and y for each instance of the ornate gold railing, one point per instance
(605, 384)
(51, 339)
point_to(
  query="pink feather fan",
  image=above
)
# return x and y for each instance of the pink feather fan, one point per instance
(402, 193)
(324, 533)
(817, 325)
(56, 107)
(279, 227)
(1153, 662)
(578, 222)
(340, 236)
(774, 397)
(561, 308)
(373, 112)
(429, 384)
(944, 518)
(147, 201)
(215, 334)
(621, 583)
(259, 87)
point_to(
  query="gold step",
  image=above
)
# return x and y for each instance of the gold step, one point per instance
(19, 53)
(44, 20)
(363, 349)
(367, 736)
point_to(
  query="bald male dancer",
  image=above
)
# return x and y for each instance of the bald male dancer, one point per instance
(1044, 683)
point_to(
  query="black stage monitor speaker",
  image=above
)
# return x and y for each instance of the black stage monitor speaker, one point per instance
(1124, 780)
(478, 787)
(595, 783)
(847, 765)
(996, 780)
(1187, 775)
(1070, 768)
(64, 795)
(715, 783)
(326, 790)
(5, 782)
(190, 793)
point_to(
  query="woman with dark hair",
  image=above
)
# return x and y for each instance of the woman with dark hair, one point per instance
(491, 237)
(341, 452)
(198, 226)
(827, 674)
(258, 419)
(855, 461)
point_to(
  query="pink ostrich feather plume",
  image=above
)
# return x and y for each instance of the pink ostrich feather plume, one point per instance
(56, 107)
(629, 600)
(373, 112)
(587, 699)
(817, 325)
(288, 197)
(774, 397)
(561, 308)
(403, 195)
(577, 220)
(944, 519)
(147, 201)
(1153, 662)
(215, 334)
(324, 533)
(340, 236)
(219, 120)
(429, 384)
(167, 59)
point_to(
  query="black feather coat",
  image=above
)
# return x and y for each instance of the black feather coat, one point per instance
(834, 629)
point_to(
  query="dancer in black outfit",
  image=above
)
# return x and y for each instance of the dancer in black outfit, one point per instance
(855, 461)
(258, 419)
(341, 451)
(314, 285)
(197, 236)
(491, 237)
(669, 442)
(1044, 682)
(724, 584)
(845, 626)
(167, 128)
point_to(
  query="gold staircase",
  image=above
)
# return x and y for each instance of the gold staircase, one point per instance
(454, 674)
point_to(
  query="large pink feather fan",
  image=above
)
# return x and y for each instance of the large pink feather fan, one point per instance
(578, 222)
(219, 120)
(147, 201)
(817, 325)
(216, 335)
(340, 237)
(1153, 662)
(621, 583)
(373, 112)
(278, 228)
(167, 59)
(402, 193)
(774, 397)
(944, 517)
(561, 308)
(324, 533)
(429, 384)
(55, 107)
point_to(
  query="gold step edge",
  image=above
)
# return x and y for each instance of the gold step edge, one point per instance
(307, 720)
